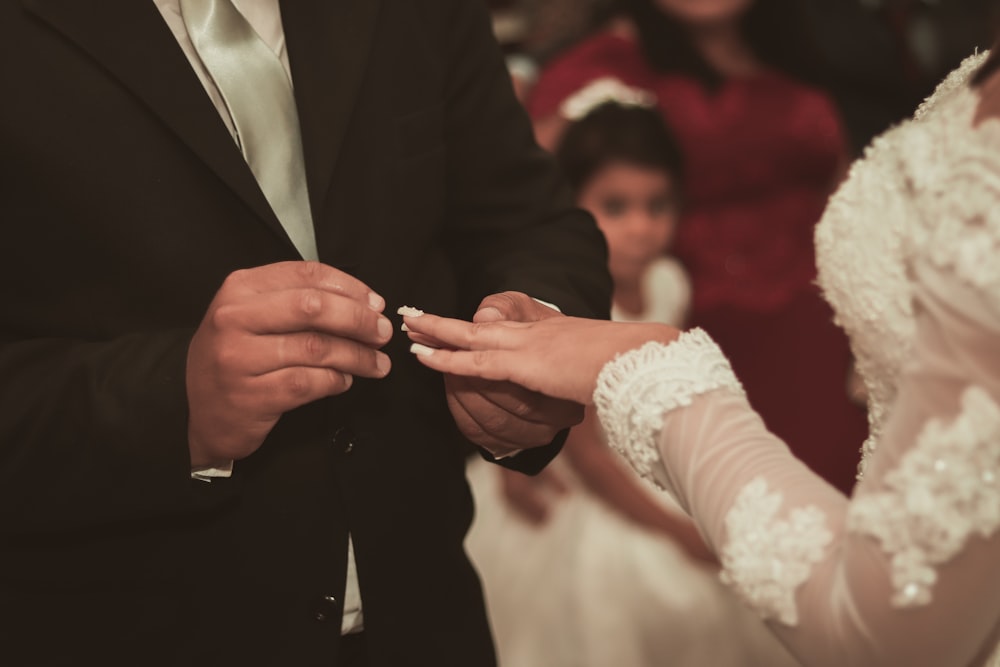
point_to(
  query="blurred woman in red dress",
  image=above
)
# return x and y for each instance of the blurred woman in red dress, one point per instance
(764, 148)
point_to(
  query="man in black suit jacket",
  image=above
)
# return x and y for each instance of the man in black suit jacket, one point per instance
(128, 213)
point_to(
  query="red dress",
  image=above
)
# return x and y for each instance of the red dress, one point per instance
(761, 157)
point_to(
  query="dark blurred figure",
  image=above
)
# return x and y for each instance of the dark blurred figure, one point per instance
(546, 27)
(880, 57)
(934, 36)
(884, 56)
(531, 32)
(864, 68)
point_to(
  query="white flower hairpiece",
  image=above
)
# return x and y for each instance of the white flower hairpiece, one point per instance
(600, 91)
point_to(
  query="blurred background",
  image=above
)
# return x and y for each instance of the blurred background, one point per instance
(884, 56)
(706, 137)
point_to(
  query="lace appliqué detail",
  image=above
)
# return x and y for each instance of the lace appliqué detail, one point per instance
(637, 388)
(945, 489)
(966, 238)
(765, 559)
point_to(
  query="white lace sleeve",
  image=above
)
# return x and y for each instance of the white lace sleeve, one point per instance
(834, 577)
(906, 572)
(636, 389)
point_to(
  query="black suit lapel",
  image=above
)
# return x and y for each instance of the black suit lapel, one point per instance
(137, 47)
(329, 43)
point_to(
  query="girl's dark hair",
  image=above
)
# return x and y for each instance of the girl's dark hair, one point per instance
(777, 31)
(614, 132)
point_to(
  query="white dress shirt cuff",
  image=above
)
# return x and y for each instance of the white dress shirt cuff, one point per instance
(206, 473)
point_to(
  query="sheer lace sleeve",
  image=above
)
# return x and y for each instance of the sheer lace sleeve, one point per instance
(905, 571)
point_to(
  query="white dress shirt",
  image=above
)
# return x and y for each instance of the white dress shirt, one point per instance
(265, 17)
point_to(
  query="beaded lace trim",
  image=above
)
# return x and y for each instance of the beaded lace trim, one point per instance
(766, 559)
(637, 388)
(945, 489)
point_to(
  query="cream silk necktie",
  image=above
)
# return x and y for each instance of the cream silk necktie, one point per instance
(258, 96)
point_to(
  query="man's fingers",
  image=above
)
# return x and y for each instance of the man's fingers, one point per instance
(526, 404)
(489, 314)
(260, 355)
(514, 306)
(289, 388)
(489, 426)
(303, 275)
(305, 309)
(502, 306)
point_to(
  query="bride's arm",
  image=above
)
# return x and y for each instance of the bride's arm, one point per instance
(608, 478)
(904, 573)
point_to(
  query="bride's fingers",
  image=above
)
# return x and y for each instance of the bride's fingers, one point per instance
(435, 331)
(466, 335)
(428, 341)
(422, 338)
(485, 364)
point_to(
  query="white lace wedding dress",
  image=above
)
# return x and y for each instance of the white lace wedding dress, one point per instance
(907, 571)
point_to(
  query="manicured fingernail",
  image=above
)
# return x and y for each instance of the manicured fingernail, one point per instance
(375, 301)
(403, 327)
(384, 327)
(409, 311)
(383, 363)
(421, 350)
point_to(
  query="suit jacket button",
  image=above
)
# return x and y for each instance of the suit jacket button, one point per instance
(326, 609)
(344, 437)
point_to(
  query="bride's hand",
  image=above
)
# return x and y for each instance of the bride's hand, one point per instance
(560, 356)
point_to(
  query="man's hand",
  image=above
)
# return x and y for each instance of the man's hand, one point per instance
(499, 416)
(276, 337)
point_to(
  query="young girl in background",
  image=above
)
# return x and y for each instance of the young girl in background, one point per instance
(572, 560)
(625, 168)
(740, 85)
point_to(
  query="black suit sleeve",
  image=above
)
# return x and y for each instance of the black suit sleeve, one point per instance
(94, 432)
(512, 223)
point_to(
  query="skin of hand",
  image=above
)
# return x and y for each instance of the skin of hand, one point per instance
(989, 98)
(501, 416)
(274, 338)
(532, 497)
(856, 390)
(560, 357)
(549, 130)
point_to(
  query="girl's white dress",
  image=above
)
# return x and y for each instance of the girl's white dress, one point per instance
(590, 588)
(907, 571)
